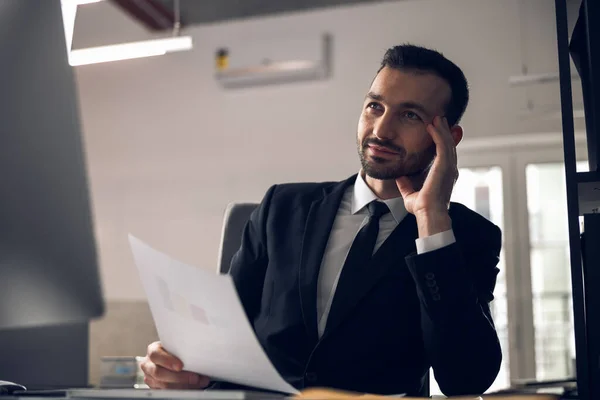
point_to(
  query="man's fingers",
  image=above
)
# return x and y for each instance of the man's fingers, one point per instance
(434, 132)
(163, 370)
(200, 383)
(446, 133)
(197, 381)
(184, 378)
(445, 147)
(153, 383)
(165, 375)
(439, 131)
(159, 356)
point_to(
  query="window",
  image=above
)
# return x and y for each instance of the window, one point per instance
(550, 270)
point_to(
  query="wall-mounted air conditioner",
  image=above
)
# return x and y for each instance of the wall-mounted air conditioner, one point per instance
(255, 62)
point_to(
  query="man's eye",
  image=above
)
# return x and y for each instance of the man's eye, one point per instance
(411, 115)
(375, 106)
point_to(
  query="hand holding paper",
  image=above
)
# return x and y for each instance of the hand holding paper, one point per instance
(162, 370)
(200, 320)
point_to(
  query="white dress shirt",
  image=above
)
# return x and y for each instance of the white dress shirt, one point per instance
(350, 218)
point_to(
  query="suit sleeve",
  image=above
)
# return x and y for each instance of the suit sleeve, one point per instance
(455, 285)
(249, 264)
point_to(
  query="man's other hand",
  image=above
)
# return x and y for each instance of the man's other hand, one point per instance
(163, 370)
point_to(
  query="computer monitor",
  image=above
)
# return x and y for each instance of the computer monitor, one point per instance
(48, 265)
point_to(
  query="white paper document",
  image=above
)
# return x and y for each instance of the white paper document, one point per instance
(200, 319)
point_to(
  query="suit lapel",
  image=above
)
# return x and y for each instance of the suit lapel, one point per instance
(391, 254)
(316, 234)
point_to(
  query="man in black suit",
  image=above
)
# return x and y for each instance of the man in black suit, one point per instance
(365, 284)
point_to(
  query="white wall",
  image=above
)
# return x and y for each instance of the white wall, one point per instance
(168, 148)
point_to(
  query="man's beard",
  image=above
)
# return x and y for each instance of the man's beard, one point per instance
(410, 165)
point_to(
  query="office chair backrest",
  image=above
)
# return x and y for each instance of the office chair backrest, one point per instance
(236, 216)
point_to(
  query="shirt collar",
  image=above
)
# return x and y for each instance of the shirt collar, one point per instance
(363, 195)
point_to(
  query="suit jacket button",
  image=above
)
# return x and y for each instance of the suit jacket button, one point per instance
(436, 297)
(311, 377)
(431, 283)
(430, 276)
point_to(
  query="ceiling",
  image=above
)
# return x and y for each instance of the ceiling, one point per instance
(158, 14)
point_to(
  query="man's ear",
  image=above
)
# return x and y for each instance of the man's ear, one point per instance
(457, 134)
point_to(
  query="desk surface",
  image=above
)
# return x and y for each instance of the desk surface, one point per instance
(143, 394)
(310, 394)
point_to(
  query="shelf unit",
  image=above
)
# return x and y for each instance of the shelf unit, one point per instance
(583, 198)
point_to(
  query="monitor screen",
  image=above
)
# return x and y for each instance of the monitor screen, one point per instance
(48, 265)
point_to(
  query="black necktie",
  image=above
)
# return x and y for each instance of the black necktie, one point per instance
(362, 247)
(361, 252)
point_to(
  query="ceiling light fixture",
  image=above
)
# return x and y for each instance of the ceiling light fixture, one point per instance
(126, 51)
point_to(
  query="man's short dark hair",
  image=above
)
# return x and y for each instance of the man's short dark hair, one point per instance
(408, 57)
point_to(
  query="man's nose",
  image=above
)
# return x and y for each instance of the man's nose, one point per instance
(384, 128)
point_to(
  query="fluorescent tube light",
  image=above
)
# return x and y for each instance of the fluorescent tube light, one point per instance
(126, 51)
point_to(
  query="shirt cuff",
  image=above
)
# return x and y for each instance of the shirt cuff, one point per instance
(435, 242)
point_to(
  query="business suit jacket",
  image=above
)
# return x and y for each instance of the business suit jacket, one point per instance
(407, 313)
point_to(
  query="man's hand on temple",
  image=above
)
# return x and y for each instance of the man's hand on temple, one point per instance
(429, 201)
(163, 370)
